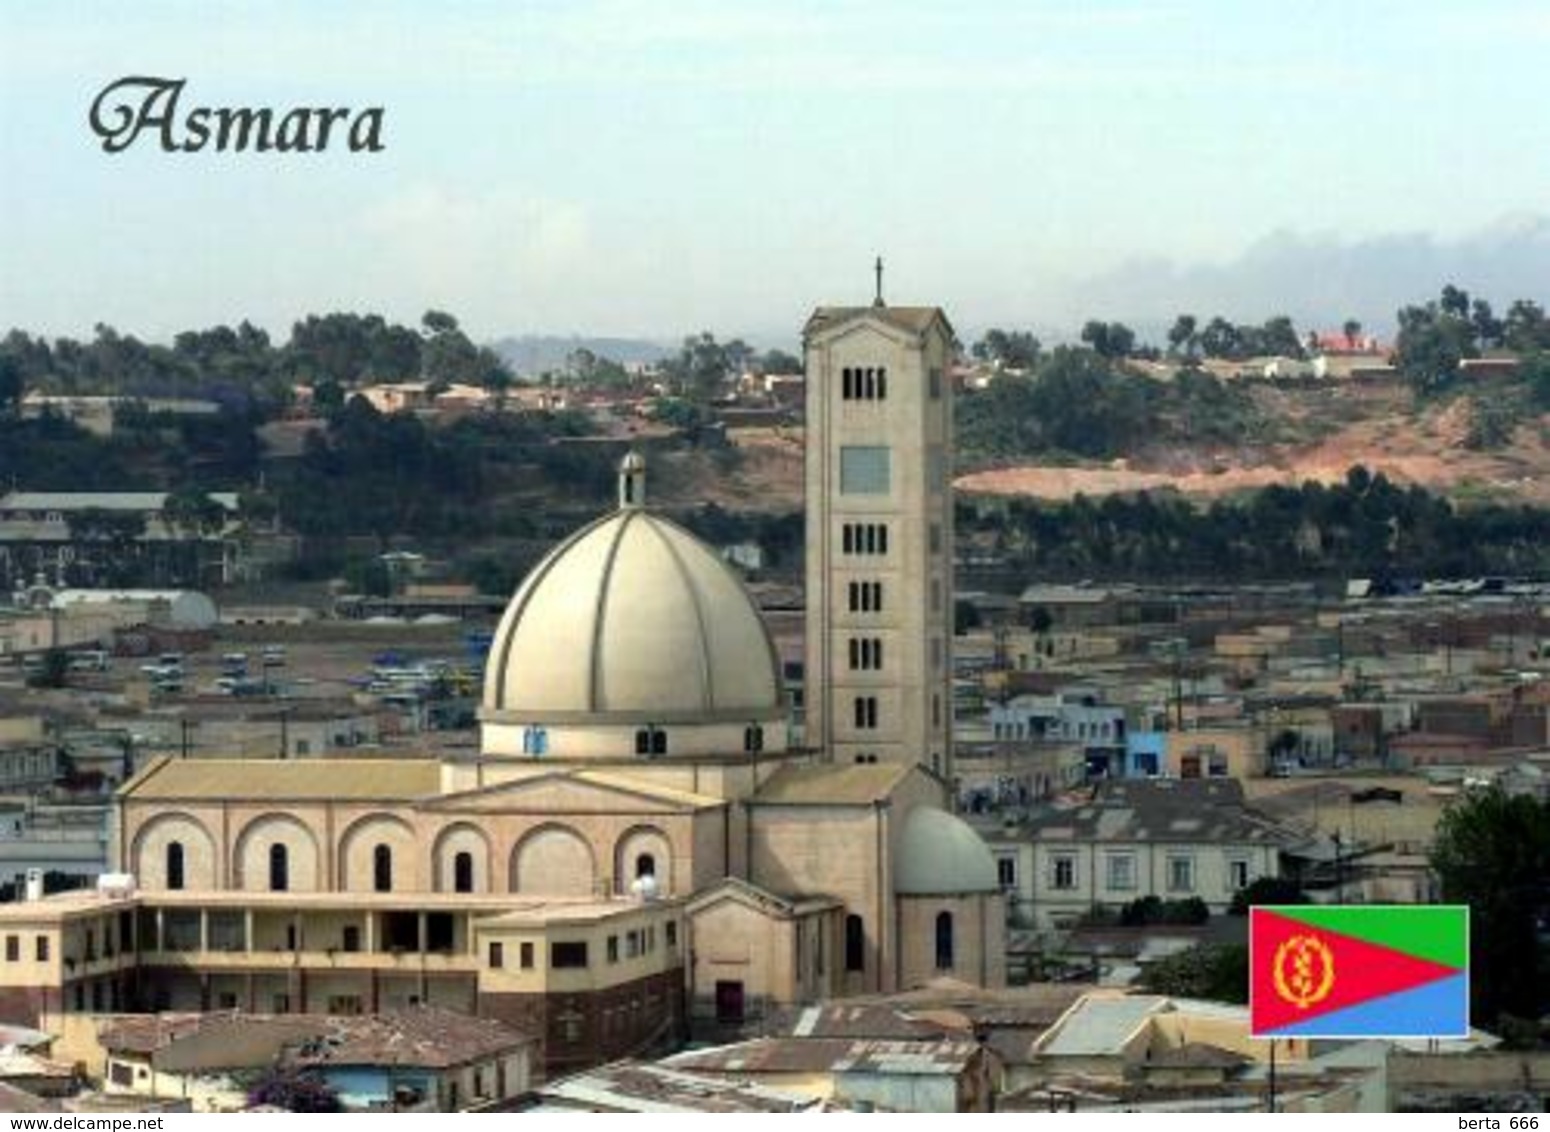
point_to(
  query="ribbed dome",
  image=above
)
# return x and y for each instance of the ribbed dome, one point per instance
(941, 855)
(631, 619)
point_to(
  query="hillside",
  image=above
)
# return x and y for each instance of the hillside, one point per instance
(1328, 429)
(1378, 425)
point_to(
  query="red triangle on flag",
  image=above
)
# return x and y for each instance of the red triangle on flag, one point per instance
(1321, 971)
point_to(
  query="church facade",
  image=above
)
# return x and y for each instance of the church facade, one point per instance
(637, 849)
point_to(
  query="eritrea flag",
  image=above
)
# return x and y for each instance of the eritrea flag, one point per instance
(1373, 971)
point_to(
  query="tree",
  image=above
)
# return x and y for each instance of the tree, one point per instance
(1492, 852)
(12, 385)
(55, 672)
(1488, 329)
(193, 513)
(1016, 349)
(1221, 339)
(1433, 340)
(447, 355)
(1526, 328)
(438, 322)
(1278, 336)
(1454, 302)
(1109, 339)
(294, 1090)
(1266, 890)
(1352, 329)
(1220, 974)
(1182, 337)
(700, 369)
(778, 361)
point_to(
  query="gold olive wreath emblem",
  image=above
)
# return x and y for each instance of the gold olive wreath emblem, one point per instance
(1304, 970)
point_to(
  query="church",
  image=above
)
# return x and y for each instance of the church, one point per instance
(642, 847)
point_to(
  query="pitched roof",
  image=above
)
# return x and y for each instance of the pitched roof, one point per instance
(847, 784)
(916, 320)
(334, 780)
(1177, 810)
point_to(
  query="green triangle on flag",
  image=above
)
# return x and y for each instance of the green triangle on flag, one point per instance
(1439, 932)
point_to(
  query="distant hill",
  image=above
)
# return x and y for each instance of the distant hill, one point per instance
(532, 354)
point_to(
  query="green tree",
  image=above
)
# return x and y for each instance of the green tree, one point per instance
(778, 361)
(1015, 349)
(1221, 339)
(448, 356)
(1526, 328)
(1433, 340)
(1219, 974)
(1492, 852)
(1109, 339)
(1352, 329)
(55, 672)
(1182, 336)
(294, 1090)
(12, 385)
(700, 370)
(193, 513)
(1266, 890)
(1278, 336)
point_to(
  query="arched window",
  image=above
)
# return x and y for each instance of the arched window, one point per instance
(944, 941)
(463, 872)
(279, 868)
(855, 944)
(382, 869)
(175, 865)
(645, 866)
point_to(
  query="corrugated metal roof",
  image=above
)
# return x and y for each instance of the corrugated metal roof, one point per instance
(831, 1055)
(629, 1086)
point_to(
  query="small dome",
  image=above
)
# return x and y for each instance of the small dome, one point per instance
(941, 855)
(632, 620)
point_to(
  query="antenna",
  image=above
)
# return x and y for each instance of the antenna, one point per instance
(878, 269)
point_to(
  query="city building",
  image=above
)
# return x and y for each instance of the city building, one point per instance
(1166, 838)
(637, 844)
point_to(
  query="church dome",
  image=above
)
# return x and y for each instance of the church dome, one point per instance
(631, 620)
(941, 855)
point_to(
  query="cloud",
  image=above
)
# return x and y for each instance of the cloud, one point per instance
(1321, 279)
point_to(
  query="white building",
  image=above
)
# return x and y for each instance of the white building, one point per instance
(1169, 838)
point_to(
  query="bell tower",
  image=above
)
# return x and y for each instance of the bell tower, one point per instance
(879, 534)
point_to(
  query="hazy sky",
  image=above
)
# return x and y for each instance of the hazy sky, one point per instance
(652, 169)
